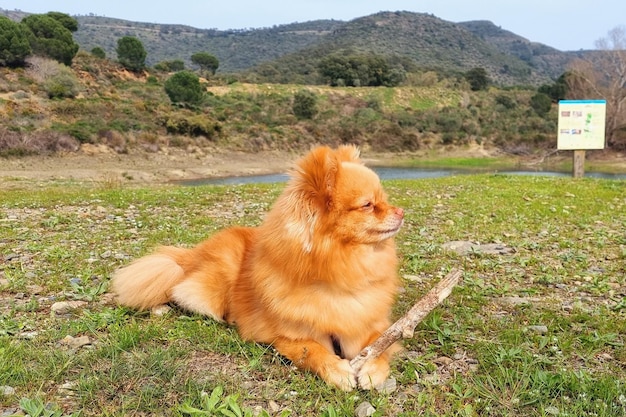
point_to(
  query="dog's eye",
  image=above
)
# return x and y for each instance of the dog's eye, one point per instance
(368, 206)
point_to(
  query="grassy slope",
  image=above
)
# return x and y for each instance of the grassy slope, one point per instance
(475, 355)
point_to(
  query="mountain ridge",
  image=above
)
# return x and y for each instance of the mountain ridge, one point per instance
(426, 40)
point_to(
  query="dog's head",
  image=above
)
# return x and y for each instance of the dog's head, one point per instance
(333, 197)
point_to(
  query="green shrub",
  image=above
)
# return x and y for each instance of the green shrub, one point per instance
(57, 80)
(192, 125)
(82, 130)
(541, 104)
(184, 88)
(170, 66)
(98, 52)
(506, 101)
(304, 104)
(62, 85)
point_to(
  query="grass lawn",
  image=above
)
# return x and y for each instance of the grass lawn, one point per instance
(536, 332)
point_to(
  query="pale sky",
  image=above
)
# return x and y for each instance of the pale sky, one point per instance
(563, 24)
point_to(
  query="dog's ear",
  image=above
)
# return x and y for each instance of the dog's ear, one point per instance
(309, 191)
(315, 174)
(348, 153)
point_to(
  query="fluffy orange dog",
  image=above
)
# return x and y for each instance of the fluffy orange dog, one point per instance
(316, 280)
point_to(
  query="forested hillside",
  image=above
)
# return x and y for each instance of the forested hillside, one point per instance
(293, 50)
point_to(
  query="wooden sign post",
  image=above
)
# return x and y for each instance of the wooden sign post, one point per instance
(579, 164)
(581, 127)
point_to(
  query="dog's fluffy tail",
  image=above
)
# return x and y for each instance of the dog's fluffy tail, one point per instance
(198, 279)
(148, 281)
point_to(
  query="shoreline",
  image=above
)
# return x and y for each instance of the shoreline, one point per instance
(100, 164)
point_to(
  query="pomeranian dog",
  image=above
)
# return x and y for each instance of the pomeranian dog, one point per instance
(316, 280)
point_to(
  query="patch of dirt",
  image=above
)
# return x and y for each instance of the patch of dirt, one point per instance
(99, 163)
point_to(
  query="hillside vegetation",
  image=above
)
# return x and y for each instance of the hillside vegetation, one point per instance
(416, 82)
(122, 110)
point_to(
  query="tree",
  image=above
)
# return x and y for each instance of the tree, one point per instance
(367, 70)
(477, 78)
(14, 44)
(556, 91)
(48, 37)
(206, 62)
(184, 88)
(66, 20)
(601, 74)
(131, 53)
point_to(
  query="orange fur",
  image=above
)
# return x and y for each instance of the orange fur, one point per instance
(316, 279)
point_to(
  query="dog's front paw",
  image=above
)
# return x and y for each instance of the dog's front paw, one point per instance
(341, 375)
(373, 374)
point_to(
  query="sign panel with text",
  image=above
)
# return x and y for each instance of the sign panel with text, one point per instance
(581, 124)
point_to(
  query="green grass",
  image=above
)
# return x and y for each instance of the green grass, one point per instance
(476, 355)
(472, 163)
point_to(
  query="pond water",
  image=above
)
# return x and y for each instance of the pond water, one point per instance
(394, 173)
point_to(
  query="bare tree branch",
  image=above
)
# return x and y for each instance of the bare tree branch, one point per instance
(405, 326)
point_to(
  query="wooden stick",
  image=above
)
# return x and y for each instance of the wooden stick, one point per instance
(405, 325)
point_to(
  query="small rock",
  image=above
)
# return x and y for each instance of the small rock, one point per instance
(413, 278)
(76, 281)
(417, 388)
(463, 247)
(76, 342)
(160, 310)
(105, 255)
(552, 410)
(28, 335)
(459, 246)
(6, 390)
(539, 329)
(365, 409)
(4, 282)
(67, 389)
(107, 298)
(273, 406)
(64, 307)
(35, 289)
(443, 360)
(514, 301)
(387, 387)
